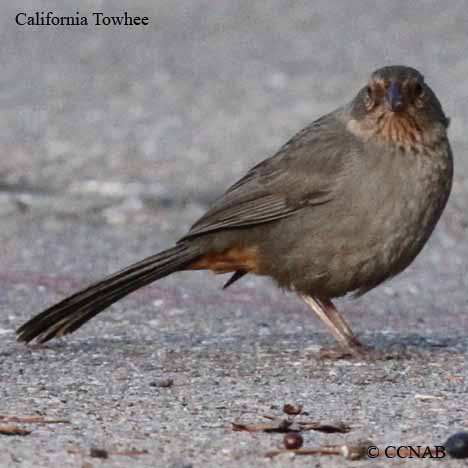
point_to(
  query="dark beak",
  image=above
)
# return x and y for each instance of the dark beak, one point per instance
(393, 97)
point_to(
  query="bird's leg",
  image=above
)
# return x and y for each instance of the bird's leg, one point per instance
(327, 313)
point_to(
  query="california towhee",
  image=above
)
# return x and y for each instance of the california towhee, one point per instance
(345, 204)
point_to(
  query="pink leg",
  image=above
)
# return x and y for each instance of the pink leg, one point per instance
(336, 324)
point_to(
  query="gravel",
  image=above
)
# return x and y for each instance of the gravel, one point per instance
(115, 140)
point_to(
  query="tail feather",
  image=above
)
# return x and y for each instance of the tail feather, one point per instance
(69, 314)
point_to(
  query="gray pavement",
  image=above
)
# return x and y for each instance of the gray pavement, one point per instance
(114, 140)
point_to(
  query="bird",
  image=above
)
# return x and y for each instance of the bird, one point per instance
(347, 203)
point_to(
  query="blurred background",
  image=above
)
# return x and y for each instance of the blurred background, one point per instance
(115, 139)
(181, 108)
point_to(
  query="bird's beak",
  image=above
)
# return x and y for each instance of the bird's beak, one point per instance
(393, 97)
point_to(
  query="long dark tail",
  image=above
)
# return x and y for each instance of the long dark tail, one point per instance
(71, 313)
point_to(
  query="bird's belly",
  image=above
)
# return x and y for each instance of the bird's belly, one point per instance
(344, 247)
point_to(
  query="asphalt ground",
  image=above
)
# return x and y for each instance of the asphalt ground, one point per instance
(115, 139)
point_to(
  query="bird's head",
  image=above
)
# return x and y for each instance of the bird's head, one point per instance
(396, 105)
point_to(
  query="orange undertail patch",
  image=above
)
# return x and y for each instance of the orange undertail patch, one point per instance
(233, 259)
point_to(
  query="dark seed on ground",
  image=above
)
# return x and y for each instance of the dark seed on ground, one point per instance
(99, 453)
(457, 445)
(292, 409)
(293, 440)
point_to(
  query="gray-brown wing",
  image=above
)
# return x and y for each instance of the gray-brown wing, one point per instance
(261, 209)
(303, 173)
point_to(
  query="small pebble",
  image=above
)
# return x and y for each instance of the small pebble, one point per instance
(292, 440)
(457, 445)
(162, 383)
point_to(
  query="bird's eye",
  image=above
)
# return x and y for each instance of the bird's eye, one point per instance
(369, 98)
(419, 95)
(418, 89)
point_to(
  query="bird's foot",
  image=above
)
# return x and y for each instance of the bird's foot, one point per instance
(357, 351)
(335, 353)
